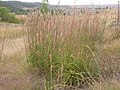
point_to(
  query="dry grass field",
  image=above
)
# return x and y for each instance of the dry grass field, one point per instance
(61, 53)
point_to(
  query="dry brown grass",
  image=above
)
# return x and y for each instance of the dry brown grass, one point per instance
(111, 84)
(12, 60)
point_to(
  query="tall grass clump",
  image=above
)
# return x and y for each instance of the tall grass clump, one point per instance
(65, 49)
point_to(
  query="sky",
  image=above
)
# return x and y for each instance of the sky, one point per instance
(78, 2)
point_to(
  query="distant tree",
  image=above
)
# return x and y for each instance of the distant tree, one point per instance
(6, 16)
(3, 11)
(99, 8)
(97, 12)
(44, 8)
(106, 7)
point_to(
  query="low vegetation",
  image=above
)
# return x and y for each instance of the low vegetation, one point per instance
(6, 16)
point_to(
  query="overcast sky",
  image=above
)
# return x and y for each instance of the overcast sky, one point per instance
(78, 2)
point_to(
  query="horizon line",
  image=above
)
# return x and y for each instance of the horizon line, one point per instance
(64, 4)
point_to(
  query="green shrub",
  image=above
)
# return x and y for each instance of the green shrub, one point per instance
(44, 8)
(6, 16)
